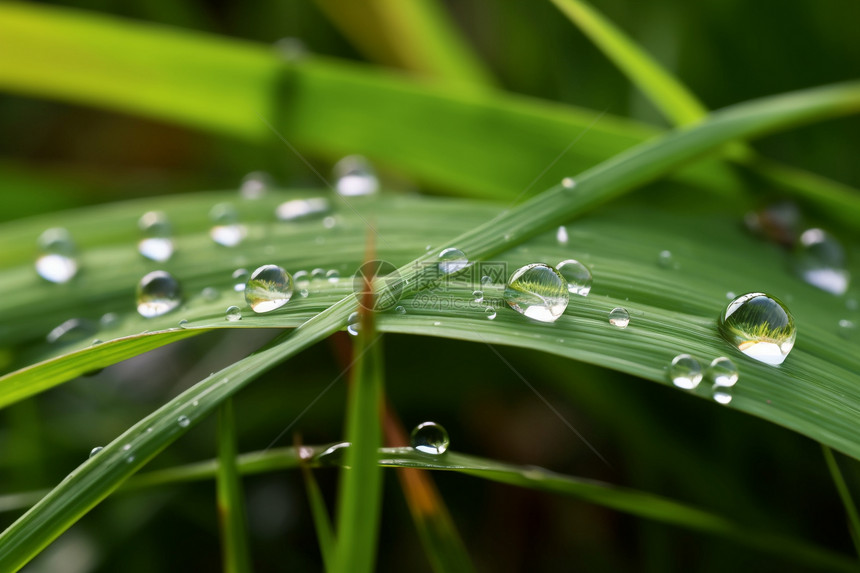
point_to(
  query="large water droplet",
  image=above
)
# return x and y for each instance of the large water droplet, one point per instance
(537, 291)
(819, 259)
(760, 326)
(157, 293)
(430, 438)
(452, 260)
(296, 209)
(577, 275)
(269, 287)
(255, 185)
(685, 372)
(72, 330)
(227, 231)
(354, 176)
(57, 263)
(156, 243)
(353, 324)
(722, 372)
(233, 314)
(619, 317)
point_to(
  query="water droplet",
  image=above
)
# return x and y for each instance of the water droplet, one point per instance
(183, 323)
(72, 330)
(452, 260)
(354, 177)
(731, 295)
(400, 310)
(240, 278)
(352, 324)
(109, 319)
(537, 291)
(227, 231)
(577, 275)
(317, 275)
(486, 280)
(760, 326)
(269, 287)
(721, 394)
(847, 328)
(666, 260)
(233, 314)
(157, 293)
(561, 236)
(437, 323)
(126, 447)
(290, 49)
(156, 243)
(129, 459)
(333, 455)
(685, 372)
(210, 294)
(568, 183)
(296, 209)
(183, 421)
(479, 295)
(302, 279)
(57, 263)
(430, 438)
(255, 185)
(490, 312)
(819, 260)
(619, 317)
(778, 222)
(95, 450)
(304, 293)
(332, 276)
(722, 372)
(96, 342)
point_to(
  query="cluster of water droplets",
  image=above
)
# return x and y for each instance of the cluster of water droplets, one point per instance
(686, 372)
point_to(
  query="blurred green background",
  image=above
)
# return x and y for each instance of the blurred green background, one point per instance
(57, 155)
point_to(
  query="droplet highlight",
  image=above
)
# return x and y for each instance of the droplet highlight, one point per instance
(760, 326)
(538, 291)
(297, 209)
(430, 438)
(269, 287)
(157, 293)
(561, 236)
(354, 176)
(183, 421)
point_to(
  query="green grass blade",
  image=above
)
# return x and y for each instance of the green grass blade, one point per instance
(322, 521)
(845, 495)
(360, 492)
(673, 99)
(415, 35)
(236, 556)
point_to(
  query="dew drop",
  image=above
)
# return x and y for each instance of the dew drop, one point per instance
(722, 372)
(332, 276)
(685, 372)
(778, 222)
(400, 309)
(296, 209)
(490, 312)
(270, 287)
(129, 459)
(95, 450)
(183, 323)
(329, 222)
(317, 275)
(72, 330)
(183, 421)
(227, 231)
(210, 294)
(240, 279)
(486, 280)
(157, 293)
(568, 183)
(666, 260)
(538, 291)
(430, 438)
(478, 295)
(760, 326)
(352, 324)
(561, 236)
(577, 275)
(619, 317)
(255, 185)
(721, 394)
(57, 263)
(846, 328)
(819, 260)
(355, 176)
(109, 319)
(334, 454)
(731, 295)
(452, 260)
(156, 244)
(233, 314)
(302, 279)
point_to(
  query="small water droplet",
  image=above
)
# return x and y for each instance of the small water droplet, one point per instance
(233, 314)
(352, 324)
(721, 394)
(568, 183)
(157, 293)
(95, 450)
(478, 295)
(296, 209)
(437, 323)
(778, 222)
(126, 447)
(240, 278)
(57, 263)
(183, 421)
(210, 294)
(333, 455)
(129, 459)
(490, 312)
(685, 372)
(332, 276)
(538, 291)
(760, 326)
(96, 342)
(577, 275)
(722, 372)
(304, 293)
(71, 331)
(317, 275)
(666, 260)
(619, 317)
(156, 243)
(270, 287)
(731, 295)
(452, 260)
(183, 323)
(851, 304)
(227, 231)
(486, 280)
(847, 328)
(430, 438)
(561, 236)
(819, 260)
(109, 319)
(355, 177)
(255, 185)
(302, 279)
(400, 310)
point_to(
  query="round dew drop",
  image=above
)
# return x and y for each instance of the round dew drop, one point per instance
(240, 278)
(57, 264)
(478, 295)
(156, 244)
(95, 450)
(561, 236)
(490, 312)
(233, 314)
(255, 185)
(183, 421)
(721, 394)
(538, 291)
(352, 324)
(157, 293)
(722, 372)
(819, 260)
(577, 275)
(227, 231)
(452, 260)
(270, 287)
(760, 326)
(619, 317)
(685, 372)
(430, 438)
(354, 176)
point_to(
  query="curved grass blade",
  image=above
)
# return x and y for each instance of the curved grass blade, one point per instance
(322, 522)
(230, 497)
(845, 494)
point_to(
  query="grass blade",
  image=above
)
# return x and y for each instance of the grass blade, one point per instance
(845, 495)
(230, 497)
(322, 521)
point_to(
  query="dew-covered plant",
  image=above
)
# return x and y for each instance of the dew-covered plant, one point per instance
(298, 335)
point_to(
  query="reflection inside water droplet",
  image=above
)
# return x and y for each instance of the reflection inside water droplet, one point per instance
(57, 264)
(685, 372)
(538, 291)
(577, 275)
(430, 438)
(619, 317)
(270, 287)
(157, 293)
(760, 326)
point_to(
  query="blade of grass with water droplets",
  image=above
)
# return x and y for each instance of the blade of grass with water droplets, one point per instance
(230, 497)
